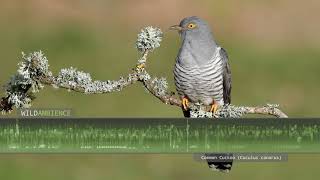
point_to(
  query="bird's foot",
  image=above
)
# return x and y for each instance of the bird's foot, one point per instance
(185, 103)
(141, 66)
(214, 108)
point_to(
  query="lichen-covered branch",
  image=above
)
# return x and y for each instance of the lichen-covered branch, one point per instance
(33, 73)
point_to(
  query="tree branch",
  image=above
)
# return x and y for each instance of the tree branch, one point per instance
(34, 72)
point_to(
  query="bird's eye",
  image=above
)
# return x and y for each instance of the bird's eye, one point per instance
(192, 25)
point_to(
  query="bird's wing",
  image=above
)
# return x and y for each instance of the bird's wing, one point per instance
(226, 77)
(224, 166)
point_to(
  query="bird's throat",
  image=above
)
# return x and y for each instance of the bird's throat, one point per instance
(196, 53)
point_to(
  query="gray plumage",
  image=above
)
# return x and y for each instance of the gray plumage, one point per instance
(202, 72)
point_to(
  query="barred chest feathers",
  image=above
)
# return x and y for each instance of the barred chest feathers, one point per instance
(201, 83)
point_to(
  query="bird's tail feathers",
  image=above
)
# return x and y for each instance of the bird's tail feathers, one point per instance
(218, 165)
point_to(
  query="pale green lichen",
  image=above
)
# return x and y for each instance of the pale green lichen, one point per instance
(30, 68)
(197, 111)
(160, 86)
(148, 39)
(225, 111)
(19, 100)
(230, 111)
(73, 78)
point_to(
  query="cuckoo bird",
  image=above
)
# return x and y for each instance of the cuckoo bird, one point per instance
(202, 72)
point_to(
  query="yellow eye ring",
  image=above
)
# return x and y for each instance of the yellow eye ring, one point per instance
(191, 26)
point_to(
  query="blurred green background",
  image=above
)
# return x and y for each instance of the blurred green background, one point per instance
(274, 53)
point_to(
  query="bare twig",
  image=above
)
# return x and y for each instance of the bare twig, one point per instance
(266, 110)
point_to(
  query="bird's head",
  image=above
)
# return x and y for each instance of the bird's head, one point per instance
(197, 40)
(192, 27)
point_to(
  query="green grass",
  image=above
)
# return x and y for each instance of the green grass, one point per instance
(158, 136)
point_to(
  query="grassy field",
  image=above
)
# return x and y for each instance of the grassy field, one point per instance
(274, 53)
(158, 136)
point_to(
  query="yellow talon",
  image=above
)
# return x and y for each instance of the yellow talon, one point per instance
(141, 66)
(214, 108)
(185, 103)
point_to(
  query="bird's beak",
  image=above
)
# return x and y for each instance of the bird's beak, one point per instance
(176, 28)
